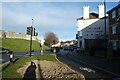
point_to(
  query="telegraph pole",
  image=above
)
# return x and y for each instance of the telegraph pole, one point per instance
(31, 32)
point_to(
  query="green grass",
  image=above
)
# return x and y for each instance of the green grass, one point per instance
(11, 70)
(20, 44)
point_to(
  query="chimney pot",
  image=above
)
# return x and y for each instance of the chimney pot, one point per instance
(101, 10)
(86, 12)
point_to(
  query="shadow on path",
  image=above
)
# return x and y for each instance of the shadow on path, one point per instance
(30, 73)
(40, 71)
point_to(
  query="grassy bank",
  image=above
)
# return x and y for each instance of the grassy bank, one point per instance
(10, 70)
(20, 44)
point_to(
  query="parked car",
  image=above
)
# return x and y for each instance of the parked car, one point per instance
(70, 48)
(75, 47)
(56, 48)
(65, 48)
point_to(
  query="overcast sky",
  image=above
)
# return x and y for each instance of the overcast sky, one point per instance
(57, 17)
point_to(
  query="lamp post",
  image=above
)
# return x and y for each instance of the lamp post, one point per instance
(105, 29)
(31, 32)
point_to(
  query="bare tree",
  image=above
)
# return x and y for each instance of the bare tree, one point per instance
(50, 39)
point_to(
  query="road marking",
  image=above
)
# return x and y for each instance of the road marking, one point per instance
(99, 68)
(87, 69)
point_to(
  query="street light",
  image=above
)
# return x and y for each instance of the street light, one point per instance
(105, 29)
(31, 32)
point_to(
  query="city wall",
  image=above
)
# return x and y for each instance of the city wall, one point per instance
(4, 34)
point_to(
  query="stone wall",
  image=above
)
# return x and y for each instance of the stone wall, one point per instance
(4, 34)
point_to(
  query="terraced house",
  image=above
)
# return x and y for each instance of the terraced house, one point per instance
(114, 31)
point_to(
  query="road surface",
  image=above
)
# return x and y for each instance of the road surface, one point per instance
(5, 57)
(90, 67)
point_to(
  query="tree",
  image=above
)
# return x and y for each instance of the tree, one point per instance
(50, 39)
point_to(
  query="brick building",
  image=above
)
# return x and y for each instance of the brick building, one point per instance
(114, 32)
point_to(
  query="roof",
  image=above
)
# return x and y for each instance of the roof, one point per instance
(91, 16)
(114, 8)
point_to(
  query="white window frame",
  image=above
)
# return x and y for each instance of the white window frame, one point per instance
(114, 29)
(113, 14)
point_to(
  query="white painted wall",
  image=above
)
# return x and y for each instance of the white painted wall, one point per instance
(91, 27)
(81, 24)
(97, 27)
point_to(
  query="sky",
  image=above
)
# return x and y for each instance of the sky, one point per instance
(57, 17)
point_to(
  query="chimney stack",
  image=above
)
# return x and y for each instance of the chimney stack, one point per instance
(101, 10)
(86, 12)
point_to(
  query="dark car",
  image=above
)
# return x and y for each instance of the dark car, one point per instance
(66, 48)
(74, 47)
(70, 48)
(55, 48)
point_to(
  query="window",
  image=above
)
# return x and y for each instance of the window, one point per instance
(87, 34)
(114, 45)
(113, 14)
(80, 33)
(114, 30)
(119, 11)
(96, 35)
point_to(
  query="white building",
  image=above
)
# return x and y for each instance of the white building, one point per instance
(91, 26)
(56, 45)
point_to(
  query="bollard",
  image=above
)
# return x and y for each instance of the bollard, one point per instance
(11, 57)
(41, 52)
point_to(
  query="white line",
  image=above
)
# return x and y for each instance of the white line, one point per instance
(99, 68)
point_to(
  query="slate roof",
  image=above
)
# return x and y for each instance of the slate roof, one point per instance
(91, 16)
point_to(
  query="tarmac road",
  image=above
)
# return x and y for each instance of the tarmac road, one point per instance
(5, 57)
(90, 68)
